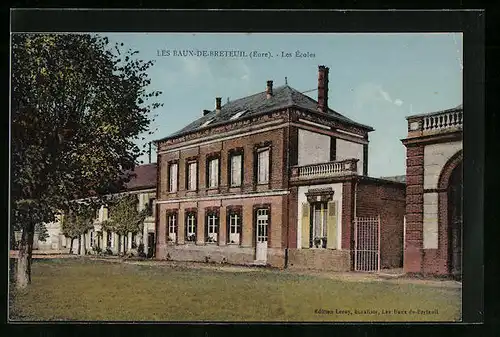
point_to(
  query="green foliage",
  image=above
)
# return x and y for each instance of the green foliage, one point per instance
(42, 232)
(125, 217)
(78, 220)
(79, 105)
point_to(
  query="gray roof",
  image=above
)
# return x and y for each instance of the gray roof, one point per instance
(399, 179)
(283, 97)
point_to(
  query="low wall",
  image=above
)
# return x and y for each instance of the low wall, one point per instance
(230, 254)
(319, 259)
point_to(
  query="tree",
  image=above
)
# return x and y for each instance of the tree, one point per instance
(78, 108)
(125, 216)
(77, 223)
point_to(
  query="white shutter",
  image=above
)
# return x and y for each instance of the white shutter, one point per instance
(192, 176)
(216, 175)
(173, 178)
(263, 166)
(266, 165)
(236, 170)
(214, 172)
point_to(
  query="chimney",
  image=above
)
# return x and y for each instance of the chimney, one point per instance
(269, 89)
(218, 104)
(323, 88)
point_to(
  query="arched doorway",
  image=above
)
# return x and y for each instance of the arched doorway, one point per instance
(455, 205)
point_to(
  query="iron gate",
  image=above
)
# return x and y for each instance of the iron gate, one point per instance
(367, 244)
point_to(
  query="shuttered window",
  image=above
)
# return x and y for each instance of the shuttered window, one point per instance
(319, 225)
(192, 174)
(213, 173)
(263, 166)
(173, 178)
(236, 162)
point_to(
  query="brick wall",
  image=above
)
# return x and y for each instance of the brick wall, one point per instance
(276, 139)
(347, 216)
(388, 202)
(242, 253)
(414, 208)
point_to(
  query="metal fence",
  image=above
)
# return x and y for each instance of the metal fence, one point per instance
(367, 244)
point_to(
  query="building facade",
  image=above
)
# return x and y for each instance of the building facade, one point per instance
(274, 178)
(143, 185)
(434, 197)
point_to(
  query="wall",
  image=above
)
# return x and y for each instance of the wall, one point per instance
(247, 143)
(387, 201)
(54, 241)
(347, 150)
(313, 148)
(243, 253)
(435, 157)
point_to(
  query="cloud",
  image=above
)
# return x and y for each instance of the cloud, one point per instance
(385, 95)
(196, 67)
(369, 93)
(398, 102)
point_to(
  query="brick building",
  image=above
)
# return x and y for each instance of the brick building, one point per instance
(434, 193)
(276, 178)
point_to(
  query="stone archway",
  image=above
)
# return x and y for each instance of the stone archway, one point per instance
(450, 209)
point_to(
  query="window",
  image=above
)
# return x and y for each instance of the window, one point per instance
(234, 228)
(191, 227)
(172, 227)
(263, 166)
(191, 175)
(238, 114)
(173, 178)
(206, 123)
(213, 173)
(134, 240)
(151, 207)
(318, 225)
(212, 227)
(92, 239)
(236, 169)
(109, 240)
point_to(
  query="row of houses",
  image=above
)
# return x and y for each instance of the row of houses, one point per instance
(281, 179)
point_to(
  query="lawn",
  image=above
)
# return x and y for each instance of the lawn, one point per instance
(87, 290)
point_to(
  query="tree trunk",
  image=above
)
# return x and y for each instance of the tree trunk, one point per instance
(13, 240)
(79, 245)
(23, 277)
(119, 244)
(71, 246)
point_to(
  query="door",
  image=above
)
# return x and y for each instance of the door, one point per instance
(262, 219)
(367, 244)
(151, 245)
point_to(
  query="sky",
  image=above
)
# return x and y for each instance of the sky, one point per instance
(374, 79)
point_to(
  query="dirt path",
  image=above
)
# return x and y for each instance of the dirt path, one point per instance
(394, 277)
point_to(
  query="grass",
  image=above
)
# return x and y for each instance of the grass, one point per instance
(87, 290)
